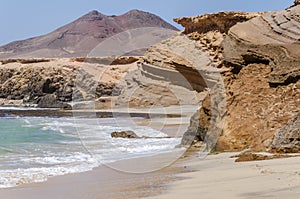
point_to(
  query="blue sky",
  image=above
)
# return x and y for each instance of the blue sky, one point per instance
(23, 19)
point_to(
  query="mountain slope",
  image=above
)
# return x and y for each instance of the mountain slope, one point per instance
(78, 38)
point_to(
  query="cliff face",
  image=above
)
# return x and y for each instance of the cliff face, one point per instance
(262, 86)
(177, 71)
(264, 54)
(181, 69)
(54, 83)
(167, 76)
(272, 39)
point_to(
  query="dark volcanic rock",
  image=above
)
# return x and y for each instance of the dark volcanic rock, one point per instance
(287, 139)
(78, 38)
(124, 134)
(50, 87)
(191, 134)
(131, 134)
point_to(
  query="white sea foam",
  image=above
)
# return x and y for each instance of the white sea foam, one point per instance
(11, 178)
(72, 145)
(24, 108)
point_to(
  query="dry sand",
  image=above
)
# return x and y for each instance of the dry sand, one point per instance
(218, 176)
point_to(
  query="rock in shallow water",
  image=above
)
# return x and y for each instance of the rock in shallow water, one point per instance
(124, 134)
(131, 134)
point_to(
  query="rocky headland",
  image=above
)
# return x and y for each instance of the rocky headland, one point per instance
(261, 85)
(247, 66)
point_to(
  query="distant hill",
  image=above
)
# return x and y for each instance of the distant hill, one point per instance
(78, 38)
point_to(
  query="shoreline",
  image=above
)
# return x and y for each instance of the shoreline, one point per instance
(215, 176)
(105, 182)
(110, 180)
(175, 112)
(189, 177)
(218, 176)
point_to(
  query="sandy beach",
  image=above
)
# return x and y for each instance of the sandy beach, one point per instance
(132, 178)
(172, 175)
(218, 176)
(103, 182)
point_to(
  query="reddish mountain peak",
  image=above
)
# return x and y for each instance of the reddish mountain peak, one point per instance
(136, 11)
(93, 16)
(94, 12)
(137, 18)
(80, 36)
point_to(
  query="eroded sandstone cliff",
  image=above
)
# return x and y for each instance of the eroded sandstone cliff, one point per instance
(262, 84)
(169, 74)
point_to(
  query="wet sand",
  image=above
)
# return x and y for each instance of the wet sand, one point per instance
(103, 182)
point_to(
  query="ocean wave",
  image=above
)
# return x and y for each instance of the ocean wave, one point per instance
(42, 147)
(24, 108)
(15, 177)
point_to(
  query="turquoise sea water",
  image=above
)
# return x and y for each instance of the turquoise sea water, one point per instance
(17, 135)
(32, 149)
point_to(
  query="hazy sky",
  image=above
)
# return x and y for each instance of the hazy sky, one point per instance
(21, 19)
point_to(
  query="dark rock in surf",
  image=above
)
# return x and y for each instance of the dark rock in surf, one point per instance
(124, 134)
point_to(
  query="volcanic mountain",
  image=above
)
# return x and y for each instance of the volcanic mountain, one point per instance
(78, 38)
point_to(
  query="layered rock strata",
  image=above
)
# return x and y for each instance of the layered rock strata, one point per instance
(264, 96)
(262, 86)
(173, 72)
